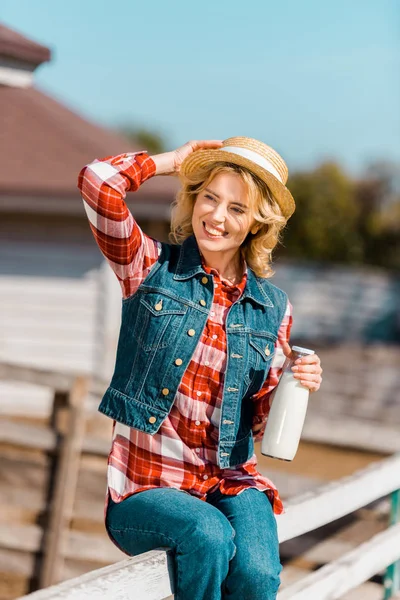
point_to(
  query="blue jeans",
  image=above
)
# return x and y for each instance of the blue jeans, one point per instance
(224, 548)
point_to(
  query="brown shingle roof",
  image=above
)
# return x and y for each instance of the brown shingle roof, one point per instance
(14, 45)
(44, 145)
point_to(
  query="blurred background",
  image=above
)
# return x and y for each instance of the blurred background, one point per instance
(320, 83)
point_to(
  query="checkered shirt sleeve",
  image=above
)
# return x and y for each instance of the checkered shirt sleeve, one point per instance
(103, 185)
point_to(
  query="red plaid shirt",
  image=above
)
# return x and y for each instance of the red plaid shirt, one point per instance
(183, 453)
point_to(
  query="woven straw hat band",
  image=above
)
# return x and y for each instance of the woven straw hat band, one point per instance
(263, 155)
(256, 158)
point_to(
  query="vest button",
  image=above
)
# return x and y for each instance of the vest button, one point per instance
(178, 362)
(152, 420)
(203, 302)
(191, 332)
(158, 306)
(267, 351)
(165, 391)
(204, 280)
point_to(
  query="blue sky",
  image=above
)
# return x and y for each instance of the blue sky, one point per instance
(314, 79)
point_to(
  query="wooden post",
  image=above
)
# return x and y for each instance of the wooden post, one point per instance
(392, 575)
(65, 479)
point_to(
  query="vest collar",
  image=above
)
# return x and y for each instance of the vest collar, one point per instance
(189, 265)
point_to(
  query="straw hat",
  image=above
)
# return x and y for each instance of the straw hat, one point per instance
(255, 156)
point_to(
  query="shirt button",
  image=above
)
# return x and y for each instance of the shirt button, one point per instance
(204, 280)
(203, 302)
(178, 361)
(199, 393)
(165, 391)
(214, 337)
(191, 332)
(212, 313)
(158, 306)
(205, 477)
(197, 422)
(267, 351)
(206, 363)
(152, 420)
(198, 450)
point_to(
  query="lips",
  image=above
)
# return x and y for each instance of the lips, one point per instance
(213, 231)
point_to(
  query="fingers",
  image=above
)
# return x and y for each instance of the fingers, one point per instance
(309, 380)
(205, 144)
(314, 368)
(308, 371)
(308, 360)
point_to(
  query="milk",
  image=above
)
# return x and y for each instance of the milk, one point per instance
(288, 410)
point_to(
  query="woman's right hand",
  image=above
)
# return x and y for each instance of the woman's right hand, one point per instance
(169, 163)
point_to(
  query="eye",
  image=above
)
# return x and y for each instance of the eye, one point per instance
(209, 197)
(239, 211)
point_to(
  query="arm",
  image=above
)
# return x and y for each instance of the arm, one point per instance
(103, 185)
(262, 398)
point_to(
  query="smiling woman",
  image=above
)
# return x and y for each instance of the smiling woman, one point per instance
(202, 335)
(228, 205)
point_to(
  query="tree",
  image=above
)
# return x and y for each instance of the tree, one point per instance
(149, 140)
(324, 224)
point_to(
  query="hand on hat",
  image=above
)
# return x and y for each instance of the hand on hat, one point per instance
(169, 163)
(184, 151)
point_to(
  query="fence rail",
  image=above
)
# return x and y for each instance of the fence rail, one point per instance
(149, 576)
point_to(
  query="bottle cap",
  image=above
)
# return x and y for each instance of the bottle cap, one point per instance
(302, 350)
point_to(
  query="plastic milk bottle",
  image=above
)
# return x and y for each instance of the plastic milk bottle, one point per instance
(288, 410)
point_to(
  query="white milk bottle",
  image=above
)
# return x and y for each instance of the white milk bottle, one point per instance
(288, 410)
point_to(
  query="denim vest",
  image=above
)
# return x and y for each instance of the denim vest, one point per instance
(162, 323)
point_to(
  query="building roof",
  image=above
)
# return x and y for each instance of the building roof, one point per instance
(16, 46)
(44, 146)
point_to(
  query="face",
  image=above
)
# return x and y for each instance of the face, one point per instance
(222, 216)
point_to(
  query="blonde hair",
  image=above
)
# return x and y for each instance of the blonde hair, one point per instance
(256, 248)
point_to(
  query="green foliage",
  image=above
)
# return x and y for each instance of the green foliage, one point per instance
(341, 220)
(148, 140)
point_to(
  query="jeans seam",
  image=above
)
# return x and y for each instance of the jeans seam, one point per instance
(127, 529)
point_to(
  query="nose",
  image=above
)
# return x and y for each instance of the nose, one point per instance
(219, 213)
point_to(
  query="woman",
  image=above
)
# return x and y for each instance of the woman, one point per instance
(201, 328)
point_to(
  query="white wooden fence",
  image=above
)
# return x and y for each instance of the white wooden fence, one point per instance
(148, 576)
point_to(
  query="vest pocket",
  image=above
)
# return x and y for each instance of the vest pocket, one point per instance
(158, 321)
(261, 352)
(265, 346)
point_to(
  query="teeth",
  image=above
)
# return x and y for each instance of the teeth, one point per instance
(213, 231)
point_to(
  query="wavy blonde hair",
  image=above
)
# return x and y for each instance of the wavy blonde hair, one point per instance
(256, 248)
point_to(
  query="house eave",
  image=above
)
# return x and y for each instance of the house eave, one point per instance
(72, 206)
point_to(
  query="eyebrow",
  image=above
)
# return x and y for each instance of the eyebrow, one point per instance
(234, 202)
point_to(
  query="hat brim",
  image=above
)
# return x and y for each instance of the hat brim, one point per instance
(202, 158)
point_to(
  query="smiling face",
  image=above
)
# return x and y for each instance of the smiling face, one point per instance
(222, 215)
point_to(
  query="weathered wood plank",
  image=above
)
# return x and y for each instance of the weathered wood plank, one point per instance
(343, 541)
(352, 569)
(81, 546)
(144, 577)
(339, 498)
(26, 538)
(58, 381)
(351, 432)
(61, 508)
(366, 591)
(29, 436)
(43, 438)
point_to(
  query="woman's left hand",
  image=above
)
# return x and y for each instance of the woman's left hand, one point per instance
(306, 369)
